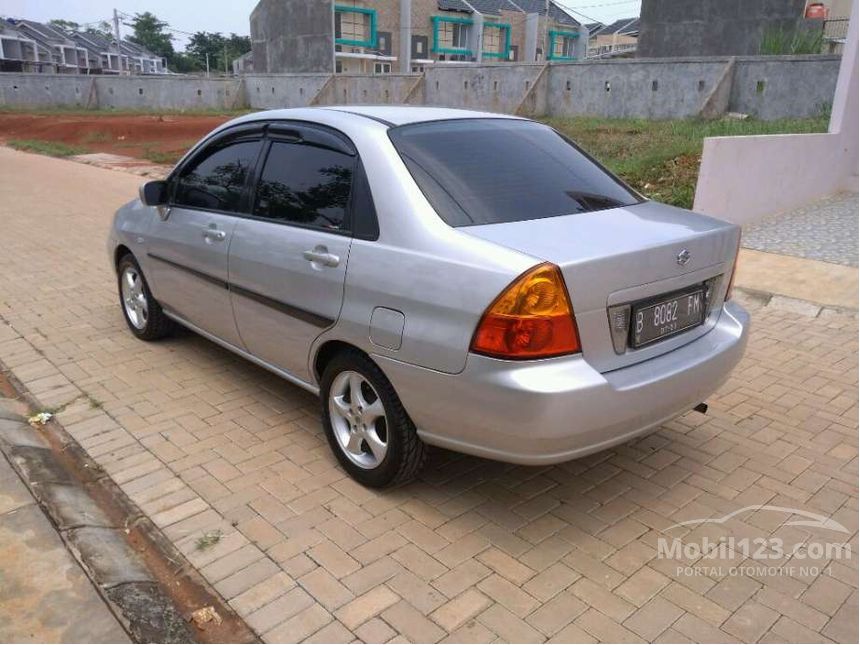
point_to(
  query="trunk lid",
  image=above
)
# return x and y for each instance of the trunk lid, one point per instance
(625, 255)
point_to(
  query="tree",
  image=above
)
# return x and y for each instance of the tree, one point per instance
(218, 47)
(182, 63)
(203, 43)
(150, 32)
(102, 29)
(64, 25)
(239, 44)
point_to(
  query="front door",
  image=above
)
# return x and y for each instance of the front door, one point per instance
(288, 260)
(189, 245)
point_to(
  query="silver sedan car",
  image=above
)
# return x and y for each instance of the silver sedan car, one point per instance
(439, 277)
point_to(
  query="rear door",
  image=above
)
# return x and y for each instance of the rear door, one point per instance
(189, 245)
(288, 259)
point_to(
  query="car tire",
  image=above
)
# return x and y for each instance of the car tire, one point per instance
(143, 315)
(371, 435)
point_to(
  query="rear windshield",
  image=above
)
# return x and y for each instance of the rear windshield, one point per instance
(487, 171)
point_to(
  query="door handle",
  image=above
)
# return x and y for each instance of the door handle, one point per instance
(320, 255)
(215, 235)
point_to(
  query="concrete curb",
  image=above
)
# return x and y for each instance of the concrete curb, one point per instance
(122, 552)
(794, 305)
(99, 547)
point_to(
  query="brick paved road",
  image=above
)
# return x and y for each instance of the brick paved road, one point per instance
(476, 550)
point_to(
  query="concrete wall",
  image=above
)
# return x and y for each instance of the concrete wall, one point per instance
(307, 47)
(383, 89)
(662, 88)
(768, 88)
(762, 88)
(123, 92)
(45, 90)
(744, 178)
(162, 93)
(496, 88)
(657, 89)
(269, 91)
(712, 27)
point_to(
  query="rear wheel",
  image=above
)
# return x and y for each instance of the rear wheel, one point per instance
(369, 431)
(142, 313)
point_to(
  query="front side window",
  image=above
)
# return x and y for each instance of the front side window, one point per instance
(305, 185)
(487, 171)
(215, 179)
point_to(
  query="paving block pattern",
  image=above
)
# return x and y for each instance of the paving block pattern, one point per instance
(230, 462)
(824, 230)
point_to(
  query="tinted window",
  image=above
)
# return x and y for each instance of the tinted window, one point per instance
(215, 179)
(306, 185)
(485, 171)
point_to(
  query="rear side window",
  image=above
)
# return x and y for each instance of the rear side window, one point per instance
(487, 171)
(215, 179)
(305, 185)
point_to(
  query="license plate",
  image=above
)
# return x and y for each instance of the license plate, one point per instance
(654, 321)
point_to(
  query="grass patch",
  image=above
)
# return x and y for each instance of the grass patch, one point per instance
(95, 404)
(779, 41)
(96, 136)
(159, 157)
(661, 159)
(51, 148)
(208, 540)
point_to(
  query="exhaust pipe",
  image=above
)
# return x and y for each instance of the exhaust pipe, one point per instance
(702, 407)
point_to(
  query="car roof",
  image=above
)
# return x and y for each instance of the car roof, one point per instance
(392, 115)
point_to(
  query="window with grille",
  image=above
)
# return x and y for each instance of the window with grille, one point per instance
(353, 26)
(492, 38)
(453, 35)
(496, 40)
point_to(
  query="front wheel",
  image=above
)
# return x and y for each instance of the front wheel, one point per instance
(141, 311)
(369, 431)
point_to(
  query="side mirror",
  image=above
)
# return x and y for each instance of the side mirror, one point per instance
(154, 193)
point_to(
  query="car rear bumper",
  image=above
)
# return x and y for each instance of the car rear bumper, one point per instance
(550, 411)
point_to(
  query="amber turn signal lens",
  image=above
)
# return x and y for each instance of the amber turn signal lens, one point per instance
(532, 318)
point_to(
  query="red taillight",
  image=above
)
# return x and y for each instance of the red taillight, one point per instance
(532, 318)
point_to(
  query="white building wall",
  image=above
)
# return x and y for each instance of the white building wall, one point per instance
(744, 178)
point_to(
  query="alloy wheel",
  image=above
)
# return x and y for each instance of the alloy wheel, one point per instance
(358, 419)
(133, 297)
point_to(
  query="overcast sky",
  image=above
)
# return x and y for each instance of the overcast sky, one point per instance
(231, 15)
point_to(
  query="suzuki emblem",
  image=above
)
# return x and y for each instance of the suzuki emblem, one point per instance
(684, 257)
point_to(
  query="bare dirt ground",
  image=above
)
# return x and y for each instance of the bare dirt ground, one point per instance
(158, 138)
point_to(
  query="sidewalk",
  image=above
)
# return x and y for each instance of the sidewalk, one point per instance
(808, 254)
(45, 597)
